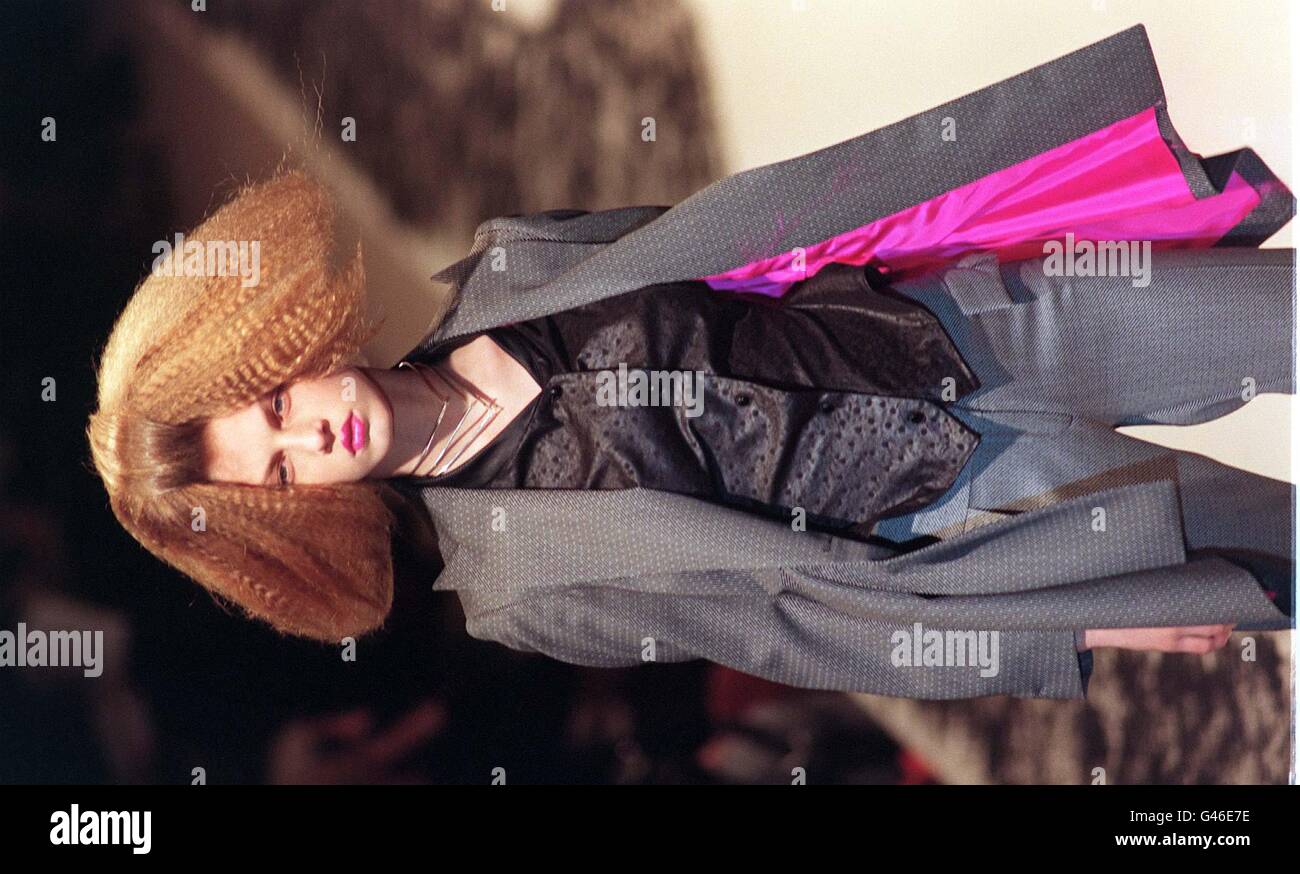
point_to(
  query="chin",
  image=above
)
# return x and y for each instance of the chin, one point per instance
(380, 425)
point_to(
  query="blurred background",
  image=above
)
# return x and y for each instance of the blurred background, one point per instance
(465, 110)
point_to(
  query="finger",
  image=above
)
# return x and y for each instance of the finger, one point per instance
(1201, 630)
(1198, 645)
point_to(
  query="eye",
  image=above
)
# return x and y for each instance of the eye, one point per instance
(284, 473)
(279, 402)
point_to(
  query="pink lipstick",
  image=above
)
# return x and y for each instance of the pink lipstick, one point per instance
(353, 433)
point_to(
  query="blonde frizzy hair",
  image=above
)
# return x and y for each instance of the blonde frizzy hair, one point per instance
(313, 560)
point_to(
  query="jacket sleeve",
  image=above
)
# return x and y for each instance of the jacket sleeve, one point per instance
(783, 637)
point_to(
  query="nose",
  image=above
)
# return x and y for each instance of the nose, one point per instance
(312, 437)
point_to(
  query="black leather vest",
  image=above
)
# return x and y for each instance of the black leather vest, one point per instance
(828, 401)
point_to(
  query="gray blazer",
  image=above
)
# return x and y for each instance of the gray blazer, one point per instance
(622, 577)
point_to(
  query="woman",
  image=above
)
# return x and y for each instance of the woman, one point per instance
(803, 498)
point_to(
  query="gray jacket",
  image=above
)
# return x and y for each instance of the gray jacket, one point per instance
(622, 577)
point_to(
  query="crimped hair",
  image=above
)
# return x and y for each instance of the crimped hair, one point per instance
(312, 560)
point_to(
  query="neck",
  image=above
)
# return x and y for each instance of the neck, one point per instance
(451, 435)
(415, 409)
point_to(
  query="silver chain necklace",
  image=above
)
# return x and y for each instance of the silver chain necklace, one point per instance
(472, 397)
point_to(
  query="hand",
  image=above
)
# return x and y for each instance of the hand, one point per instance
(1198, 639)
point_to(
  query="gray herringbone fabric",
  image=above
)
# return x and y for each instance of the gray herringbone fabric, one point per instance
(625, 576)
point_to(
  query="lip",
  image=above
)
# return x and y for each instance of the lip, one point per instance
(353, 433)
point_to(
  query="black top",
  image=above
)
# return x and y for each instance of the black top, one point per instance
(831, 369)
(525, 342)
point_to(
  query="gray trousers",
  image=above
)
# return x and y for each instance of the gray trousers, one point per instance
(1063, 360)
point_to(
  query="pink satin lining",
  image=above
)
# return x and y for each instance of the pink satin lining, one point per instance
(1119, 183)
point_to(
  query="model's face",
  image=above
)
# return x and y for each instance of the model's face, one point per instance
(334, 429)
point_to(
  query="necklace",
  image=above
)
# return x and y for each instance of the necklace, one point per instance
(472, 397)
